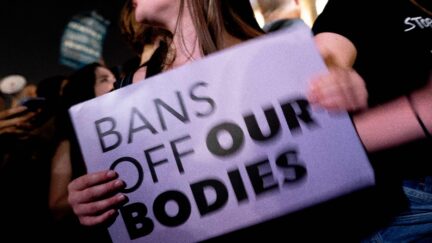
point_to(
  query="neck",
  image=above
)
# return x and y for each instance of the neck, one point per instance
(185, 43)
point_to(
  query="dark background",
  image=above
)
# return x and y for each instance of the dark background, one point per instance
(30, 33)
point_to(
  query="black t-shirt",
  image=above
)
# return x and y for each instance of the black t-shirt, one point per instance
(393, 40)
(394, 45)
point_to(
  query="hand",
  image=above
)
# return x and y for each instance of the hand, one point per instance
(340, 89)
(17, 124)
(94, 197)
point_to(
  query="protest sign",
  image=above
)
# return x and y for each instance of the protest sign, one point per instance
(222, 143)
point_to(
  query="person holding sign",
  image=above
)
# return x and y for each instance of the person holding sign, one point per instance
(397, 126)
(184, 31)
(90, 81)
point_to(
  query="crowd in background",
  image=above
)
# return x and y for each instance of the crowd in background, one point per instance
(38, 148)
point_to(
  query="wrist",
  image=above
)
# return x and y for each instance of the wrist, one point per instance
(421, 103)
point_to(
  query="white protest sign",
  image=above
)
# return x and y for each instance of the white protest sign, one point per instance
(222, 143)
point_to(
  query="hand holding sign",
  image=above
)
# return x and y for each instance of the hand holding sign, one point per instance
(88, 196)
(339, 89)
(232, 149)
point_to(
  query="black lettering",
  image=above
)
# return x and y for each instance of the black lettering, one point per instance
(152, 164)
(110, 131)
(293, 171)
(177, 154)
(233, 130)
(208, 100)
(137, 224)
(291, 114)
(238, 185)
(183, 116)
(254, 130)
(184, 208)
(261, 177)
(132, 129)
(204, 206)
(138, 169)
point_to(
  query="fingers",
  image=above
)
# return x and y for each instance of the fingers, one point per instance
(331, 94)
(94, 193)
(16, 123)
(19, 121)
(95, 220)
(92, 179)
(12, 126)
(356, 92)
(4, 130)
(12, 111)
(95, 196)
(340, 89)
(97, 207)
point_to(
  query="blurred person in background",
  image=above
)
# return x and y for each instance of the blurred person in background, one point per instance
(26, 147)
(278, 13)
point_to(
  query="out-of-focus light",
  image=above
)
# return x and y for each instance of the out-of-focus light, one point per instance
(259, 17)
(320, 4)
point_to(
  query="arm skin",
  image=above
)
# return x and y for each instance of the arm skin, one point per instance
(387, 125)
(61, 175)
(17, 125)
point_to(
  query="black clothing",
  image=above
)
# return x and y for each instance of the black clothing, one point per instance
(394, 56)
(279, 24)
(394, 45)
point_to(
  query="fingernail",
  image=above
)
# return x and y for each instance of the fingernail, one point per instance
(121, 197)
(111, 174)
(118, 183)
(113, 212)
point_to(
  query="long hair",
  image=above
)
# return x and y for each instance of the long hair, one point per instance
(139, 34)
(130, 29)
(80, 86)
(211, 19)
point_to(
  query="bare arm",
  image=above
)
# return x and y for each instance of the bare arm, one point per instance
(61, 175)
(387, 125)
(336, 50)
(394, 123)
(341, 88)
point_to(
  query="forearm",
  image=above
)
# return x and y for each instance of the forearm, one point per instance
(61, 175)
(336, 50)
(60, 207)
(394, 123)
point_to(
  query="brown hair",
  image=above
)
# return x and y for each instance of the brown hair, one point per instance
(211, 19)
(130, 29)
(138, 34)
